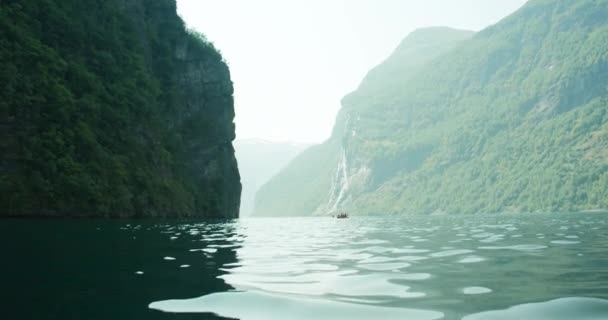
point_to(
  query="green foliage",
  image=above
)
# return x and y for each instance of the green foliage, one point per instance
(258, 162)
(303, 186)
(514, 119)
(292, 193)
(88, 105)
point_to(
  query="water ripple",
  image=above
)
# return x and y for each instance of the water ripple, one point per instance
(379, 268)
(261, 306)
(559, 309)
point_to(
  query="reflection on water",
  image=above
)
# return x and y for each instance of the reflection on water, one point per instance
(473, 268)
(106, 269)
(558, 309)
(412, 268)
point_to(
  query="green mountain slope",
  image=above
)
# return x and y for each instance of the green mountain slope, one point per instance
(514, 119)
(301, 186)
(259, 161)
(308, 184)
(111, 108)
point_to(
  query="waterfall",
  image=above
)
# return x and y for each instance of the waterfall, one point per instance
(339, 185)
(340, 180)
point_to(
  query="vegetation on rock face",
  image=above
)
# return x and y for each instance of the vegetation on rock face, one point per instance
(301, 186)
(513, 120)
(111, 108)
(308, 184)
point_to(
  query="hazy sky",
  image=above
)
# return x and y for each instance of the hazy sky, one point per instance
(293, 60)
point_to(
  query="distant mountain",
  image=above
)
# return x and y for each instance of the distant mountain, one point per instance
(258, 161)
(512, 119)
(310, 184)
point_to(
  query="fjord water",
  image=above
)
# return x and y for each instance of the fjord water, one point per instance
(419, 267)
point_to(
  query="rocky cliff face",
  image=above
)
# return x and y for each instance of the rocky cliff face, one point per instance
(207, 93)
(113, 109)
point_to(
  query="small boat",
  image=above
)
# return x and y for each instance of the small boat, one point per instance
(342, 215)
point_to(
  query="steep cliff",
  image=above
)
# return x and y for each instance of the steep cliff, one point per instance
(114, 109)
(513, 120)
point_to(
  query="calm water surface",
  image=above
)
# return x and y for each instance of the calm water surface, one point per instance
(419, 268)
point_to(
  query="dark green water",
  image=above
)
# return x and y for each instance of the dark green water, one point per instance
(420, 268)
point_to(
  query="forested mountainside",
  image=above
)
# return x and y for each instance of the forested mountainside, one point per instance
(259, 161)
(311, 182)
(112, 108)
(512, 120)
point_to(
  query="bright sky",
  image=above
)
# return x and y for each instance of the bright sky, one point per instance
(292, 61)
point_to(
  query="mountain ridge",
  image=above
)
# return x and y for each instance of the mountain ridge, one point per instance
(318, 159)
(511, 120)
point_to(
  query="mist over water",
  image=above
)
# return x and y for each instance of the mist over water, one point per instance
(411, 111)
(419, 267)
